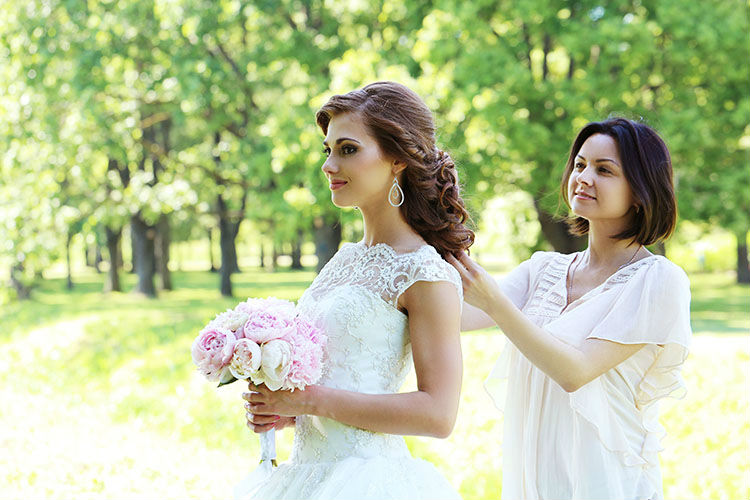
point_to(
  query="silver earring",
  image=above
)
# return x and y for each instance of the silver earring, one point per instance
(396, 194)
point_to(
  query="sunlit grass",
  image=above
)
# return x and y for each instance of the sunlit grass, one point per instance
(101, 400)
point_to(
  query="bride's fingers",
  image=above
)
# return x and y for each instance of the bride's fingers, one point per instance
(259, 429)
(261, 419)
(253, 397)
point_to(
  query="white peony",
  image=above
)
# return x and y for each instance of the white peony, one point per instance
(275, 361)
(246, 359)
(231, 319)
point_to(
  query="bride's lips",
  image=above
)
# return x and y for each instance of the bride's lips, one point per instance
(335, 184)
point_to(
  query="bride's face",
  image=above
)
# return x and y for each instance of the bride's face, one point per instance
(359, 175)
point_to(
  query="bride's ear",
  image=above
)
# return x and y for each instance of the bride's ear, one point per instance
(397, 166)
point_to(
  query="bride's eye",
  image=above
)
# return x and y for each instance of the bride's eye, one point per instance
(327, 151)
(348, 150)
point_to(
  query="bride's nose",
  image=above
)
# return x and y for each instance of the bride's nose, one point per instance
(329, 167)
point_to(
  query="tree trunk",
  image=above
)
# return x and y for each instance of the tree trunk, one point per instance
(98, 259)
(743, 267)
(297, 251)
(275, 255)
(143, 255)
(133, 252)
(69, 284)
(327, 238)
(23, 292)
(228, 232)
(161, 248)
(213, 268)
(262, 255)
(87, 255)
(112, 282)
(556, 233)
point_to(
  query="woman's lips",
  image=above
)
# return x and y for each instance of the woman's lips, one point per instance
(334, 185)
(584, 196)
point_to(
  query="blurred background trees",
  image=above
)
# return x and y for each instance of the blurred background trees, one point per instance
(146, 123)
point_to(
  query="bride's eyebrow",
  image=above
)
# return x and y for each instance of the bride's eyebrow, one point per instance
(342, 139)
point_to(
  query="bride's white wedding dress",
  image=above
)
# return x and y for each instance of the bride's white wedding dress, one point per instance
(354, 299)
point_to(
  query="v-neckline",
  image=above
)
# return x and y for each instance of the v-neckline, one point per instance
(567, 307)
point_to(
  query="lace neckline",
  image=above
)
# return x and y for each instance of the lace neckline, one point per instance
(616, 277)
(389, 249)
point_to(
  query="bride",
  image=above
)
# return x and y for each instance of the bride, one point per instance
(383, 302)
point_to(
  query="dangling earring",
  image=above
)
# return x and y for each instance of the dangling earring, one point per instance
(396, 193)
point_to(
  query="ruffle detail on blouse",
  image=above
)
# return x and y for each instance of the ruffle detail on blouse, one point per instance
(651, 307)
(351, 477)
(591, 403)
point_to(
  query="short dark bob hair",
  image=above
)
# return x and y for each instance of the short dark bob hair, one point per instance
(648, 170)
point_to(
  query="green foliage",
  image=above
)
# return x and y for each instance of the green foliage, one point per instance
(112, 109)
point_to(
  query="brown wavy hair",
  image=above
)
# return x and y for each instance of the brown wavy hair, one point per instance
(404, 129)
(647, 167)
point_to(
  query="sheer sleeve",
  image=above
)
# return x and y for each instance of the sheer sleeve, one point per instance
(652, 307)
(517, 284)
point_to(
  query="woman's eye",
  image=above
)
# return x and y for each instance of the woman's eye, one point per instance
(579, 166)
(327, 151)
(348, 150)
(603, 170)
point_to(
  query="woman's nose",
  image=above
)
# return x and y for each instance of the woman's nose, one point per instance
(585, 177)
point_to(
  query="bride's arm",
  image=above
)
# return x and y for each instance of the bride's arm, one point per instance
(434, 322)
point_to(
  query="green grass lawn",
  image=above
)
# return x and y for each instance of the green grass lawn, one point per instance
(101, 399)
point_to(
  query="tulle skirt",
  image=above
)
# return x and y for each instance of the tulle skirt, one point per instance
(351, 478)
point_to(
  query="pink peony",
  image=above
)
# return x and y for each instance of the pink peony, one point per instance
(307, 354)
(271, 305)
(263, 326)
(212, 351)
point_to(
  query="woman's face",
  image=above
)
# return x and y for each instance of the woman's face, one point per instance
(597, 188)
(358, 173)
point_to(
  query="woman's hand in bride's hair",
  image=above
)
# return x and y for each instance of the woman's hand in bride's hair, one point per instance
(480, 289)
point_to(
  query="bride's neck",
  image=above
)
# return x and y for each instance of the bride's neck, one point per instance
(387, 226)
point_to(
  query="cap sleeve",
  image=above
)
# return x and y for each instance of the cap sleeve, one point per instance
(428, 266)
(651, 307)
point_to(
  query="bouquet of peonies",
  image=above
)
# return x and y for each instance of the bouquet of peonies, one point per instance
(263, 340)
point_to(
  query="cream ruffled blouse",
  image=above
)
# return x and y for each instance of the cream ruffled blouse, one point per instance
(602, 440)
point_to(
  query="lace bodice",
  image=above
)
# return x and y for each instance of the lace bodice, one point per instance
(354, 300)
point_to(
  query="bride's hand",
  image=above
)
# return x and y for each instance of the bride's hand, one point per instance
(263, 404)
(480, 289)
(264, 423)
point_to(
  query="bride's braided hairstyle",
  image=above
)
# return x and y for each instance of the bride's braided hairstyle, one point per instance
(404, 129)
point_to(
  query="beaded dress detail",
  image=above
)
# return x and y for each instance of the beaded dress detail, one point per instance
(354, 300)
